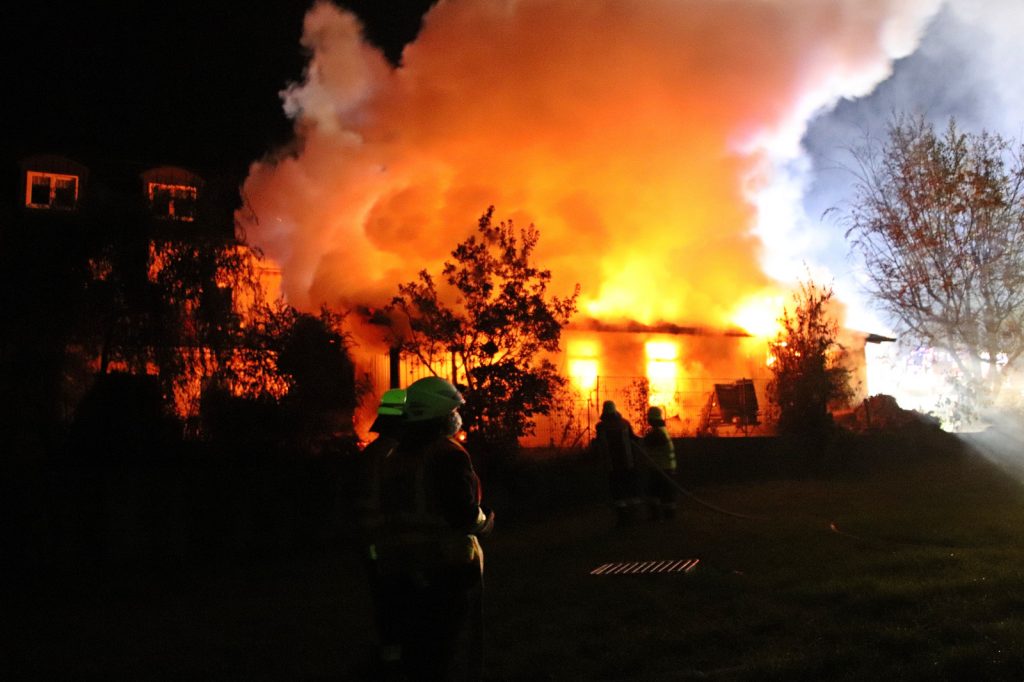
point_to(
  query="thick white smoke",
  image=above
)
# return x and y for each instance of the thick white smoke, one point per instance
(967, 65)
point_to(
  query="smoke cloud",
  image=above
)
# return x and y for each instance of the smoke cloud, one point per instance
(647, 141)
(966, 65)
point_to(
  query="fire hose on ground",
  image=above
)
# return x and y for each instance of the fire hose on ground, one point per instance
(675, 484)
(833, 527)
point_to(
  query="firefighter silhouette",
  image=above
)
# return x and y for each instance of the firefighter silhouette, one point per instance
(616, 444)
(423, 517)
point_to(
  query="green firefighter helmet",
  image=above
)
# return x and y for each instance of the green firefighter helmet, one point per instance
(430, 398)
(392, 403)
(655, 414)
(390, 412)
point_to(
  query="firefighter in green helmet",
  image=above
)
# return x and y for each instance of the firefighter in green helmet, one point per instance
(427, 557)
(388, 426)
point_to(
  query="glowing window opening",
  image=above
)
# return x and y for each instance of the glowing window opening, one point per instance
(583, 372)
(662, 373)
(662, 350)
(177, 202)
(51, 190)
(583, 365)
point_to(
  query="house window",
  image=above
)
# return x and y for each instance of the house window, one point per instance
(51, 190)
(177, 202)
(662, 373)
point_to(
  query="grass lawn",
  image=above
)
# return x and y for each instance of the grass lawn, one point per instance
(922, 581)
(899, 560)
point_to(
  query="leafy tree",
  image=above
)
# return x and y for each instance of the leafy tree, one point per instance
(162, 297)
(172, 307)
(496, 332)
(807, 374)
(322, 388)
(296, 386)
(939, 220)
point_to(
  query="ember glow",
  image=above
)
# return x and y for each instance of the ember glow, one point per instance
(634, 135)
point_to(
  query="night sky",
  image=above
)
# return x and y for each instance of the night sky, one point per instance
(189, 83)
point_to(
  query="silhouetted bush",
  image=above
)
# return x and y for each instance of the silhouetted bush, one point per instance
(122, 419)
(240, 426)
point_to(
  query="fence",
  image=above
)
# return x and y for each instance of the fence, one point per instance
(573, 420)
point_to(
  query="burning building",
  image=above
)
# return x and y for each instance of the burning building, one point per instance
(642, 140)
(708, 381)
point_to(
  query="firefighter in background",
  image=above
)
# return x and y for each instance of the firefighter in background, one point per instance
(661, 493)
(388, 426)
(615, 443)
(425, 549)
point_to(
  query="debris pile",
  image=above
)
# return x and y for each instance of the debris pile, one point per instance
(882, 413)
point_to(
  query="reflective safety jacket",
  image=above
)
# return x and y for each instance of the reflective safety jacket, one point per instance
(659, 447)
(422, 509)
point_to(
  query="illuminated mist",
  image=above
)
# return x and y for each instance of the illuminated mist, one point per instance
(967, 66)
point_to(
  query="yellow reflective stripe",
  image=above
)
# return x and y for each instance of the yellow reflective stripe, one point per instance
(481, 520)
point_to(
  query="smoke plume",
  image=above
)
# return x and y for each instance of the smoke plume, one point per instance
(637, 136)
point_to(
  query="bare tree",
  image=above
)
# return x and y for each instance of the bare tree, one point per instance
(939, 220)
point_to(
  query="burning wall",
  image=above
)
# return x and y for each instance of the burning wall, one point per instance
(680, 366)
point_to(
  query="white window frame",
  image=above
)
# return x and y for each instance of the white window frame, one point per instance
(52, 178)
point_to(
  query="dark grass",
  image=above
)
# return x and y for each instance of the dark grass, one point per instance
(896, 558)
